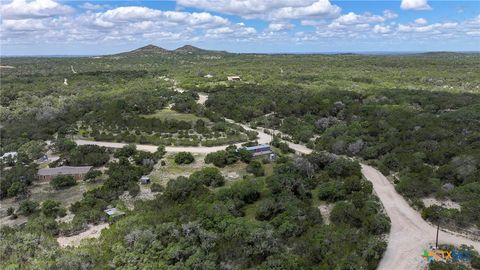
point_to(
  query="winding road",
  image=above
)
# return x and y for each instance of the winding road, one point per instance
(409, 233)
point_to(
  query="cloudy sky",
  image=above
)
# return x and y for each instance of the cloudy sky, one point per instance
(59, 27)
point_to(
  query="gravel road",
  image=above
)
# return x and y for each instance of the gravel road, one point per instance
(409, 234)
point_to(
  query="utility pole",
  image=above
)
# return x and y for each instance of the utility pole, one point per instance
(436, 242)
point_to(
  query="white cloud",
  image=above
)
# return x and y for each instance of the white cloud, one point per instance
(381, 29)
(239, 31)
(23, 25)
(23, 9)
(277, 26)
(352, 18)
(267, 9)
(421, 21)
(438, 27)
(389, 15)
(91, 6)
(415, 5)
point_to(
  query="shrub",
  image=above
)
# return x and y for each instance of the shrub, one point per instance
(160, 151)
(52, 208)
(62, 181)
(10, 211)
(209, 176)
(27, 207)
(245, 155)
(155, 187)
(268, 208)
(180, 188)
(256, 168)
(133, 189)
(184, 158)
(126, 151)
(92, 174)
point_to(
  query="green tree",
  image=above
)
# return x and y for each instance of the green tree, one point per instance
(184, 158)
(63, 181)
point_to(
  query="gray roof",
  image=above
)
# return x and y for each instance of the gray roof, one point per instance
(64, 170)
(113, 212)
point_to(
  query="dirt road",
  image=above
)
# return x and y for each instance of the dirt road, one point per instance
(409, 234)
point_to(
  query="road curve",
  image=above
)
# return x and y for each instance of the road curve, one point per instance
(409, 233)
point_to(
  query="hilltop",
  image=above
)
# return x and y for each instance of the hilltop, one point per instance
(195, 50)
(145, 51)
(152, 50)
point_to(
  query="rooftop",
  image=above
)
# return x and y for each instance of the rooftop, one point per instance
(255, 147)
(113, 212)
(64, 170)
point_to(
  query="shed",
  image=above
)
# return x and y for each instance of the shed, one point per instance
(144, 180)
(233, 78)
(113, 212)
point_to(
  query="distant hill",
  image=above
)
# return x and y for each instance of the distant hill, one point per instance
(152, 50)
(189, 49)
(148, 50)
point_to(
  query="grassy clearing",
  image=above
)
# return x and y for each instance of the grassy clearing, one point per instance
(43, 191)
(168, 114)
(162, 174)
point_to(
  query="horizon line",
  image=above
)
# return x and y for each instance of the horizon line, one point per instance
(266, 53)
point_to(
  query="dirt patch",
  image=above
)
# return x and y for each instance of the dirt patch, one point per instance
(67, 218)
(325, 210)
(429, 201)
(75, 240)
(145, 194)
(6, 221)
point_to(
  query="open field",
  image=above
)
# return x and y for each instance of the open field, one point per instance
(168, 114)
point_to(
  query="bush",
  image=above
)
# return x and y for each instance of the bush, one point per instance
(155, 187)
(245, 155)
(209, 176)
(133, 189)
(10, 211)
(331, 192)
(184, 158)
(63, 181)
(475, 262)
(92, 174)
(126, 151)
(88, 155)
(180, 188)
(268, 208)
(27, 207)
(52, 209)
(160, 151)
(256, 168)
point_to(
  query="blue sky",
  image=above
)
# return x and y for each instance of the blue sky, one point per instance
(59, 27)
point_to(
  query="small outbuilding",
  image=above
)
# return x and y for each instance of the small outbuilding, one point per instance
(233, 78)
(208, 76)
(144, 180)
(113, 212)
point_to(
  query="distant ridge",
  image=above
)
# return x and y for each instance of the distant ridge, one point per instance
(145, 51)
(152, 50)
(195, 50)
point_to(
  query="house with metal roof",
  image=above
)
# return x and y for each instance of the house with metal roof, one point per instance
(258, 150)
(46, 174)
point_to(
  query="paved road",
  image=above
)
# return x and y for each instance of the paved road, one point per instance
(409, 234)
